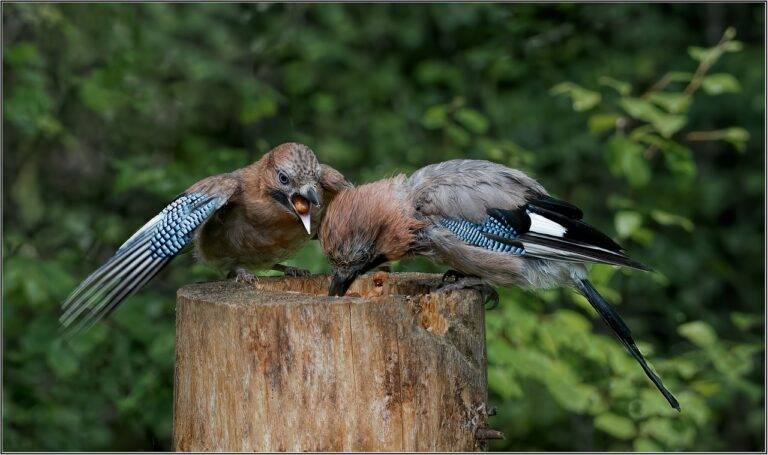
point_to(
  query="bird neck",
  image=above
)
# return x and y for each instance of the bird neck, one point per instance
(396, 215)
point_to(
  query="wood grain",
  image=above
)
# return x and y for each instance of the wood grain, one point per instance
(282, 367)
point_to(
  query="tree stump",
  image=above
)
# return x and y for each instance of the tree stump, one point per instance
(280, 366)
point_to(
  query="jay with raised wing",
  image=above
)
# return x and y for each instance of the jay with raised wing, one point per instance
(253, 217)
(492, 224)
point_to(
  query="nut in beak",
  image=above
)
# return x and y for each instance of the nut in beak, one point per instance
(301, 207)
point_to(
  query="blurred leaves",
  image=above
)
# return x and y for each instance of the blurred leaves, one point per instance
(699, 333)
(581, 98)
(715, 84)
(110, 110)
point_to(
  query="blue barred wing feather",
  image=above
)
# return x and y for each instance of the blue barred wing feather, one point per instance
(141, 257)
(479, 235)
(543, 228)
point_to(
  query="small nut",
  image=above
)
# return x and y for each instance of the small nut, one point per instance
(300, 204)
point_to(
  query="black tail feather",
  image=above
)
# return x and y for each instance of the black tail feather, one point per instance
(588, 251)
(559, 206)
(613, 319)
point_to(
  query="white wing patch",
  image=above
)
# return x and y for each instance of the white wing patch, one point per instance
(542, 225)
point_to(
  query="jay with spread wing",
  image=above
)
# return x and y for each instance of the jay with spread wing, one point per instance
(492, 224)
(253, 217)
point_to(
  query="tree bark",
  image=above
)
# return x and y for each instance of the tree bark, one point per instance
(280, 366)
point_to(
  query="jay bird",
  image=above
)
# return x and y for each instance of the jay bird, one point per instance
(254, 217)
(492, 224)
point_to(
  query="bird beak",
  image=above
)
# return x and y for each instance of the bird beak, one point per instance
(341, 283)
(305, 220)
(300, 202)
(310, 194)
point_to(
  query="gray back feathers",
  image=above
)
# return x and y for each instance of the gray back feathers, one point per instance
(467, 188)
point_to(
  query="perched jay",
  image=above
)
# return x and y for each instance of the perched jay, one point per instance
(253, 217)
(492, 224)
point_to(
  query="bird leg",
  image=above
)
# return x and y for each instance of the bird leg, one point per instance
(290, 271)
(452, 274)
(242, 275)
(487, 292)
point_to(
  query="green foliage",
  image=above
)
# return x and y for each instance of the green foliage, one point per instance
(110, 110)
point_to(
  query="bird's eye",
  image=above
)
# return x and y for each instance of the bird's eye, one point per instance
(282, 177)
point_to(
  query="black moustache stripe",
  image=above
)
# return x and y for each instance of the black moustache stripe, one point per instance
(280, 197)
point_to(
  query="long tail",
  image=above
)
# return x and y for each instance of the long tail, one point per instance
(621, 330)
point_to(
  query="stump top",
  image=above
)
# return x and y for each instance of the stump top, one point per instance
(312, 289)
(281, 366)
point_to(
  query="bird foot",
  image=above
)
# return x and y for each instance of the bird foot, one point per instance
(291, 271)
(242, 275)
(453, 275)
(461, 283)
(487, 292)
(489, 295)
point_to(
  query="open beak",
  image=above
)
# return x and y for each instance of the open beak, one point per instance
(341, 283)
(300, 202)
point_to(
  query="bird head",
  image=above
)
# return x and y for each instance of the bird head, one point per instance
(292, 179)
(365, 227)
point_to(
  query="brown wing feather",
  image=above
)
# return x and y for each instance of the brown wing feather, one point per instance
(332, 181)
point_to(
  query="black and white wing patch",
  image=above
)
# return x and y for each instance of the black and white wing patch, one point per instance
(555, 231)
(138, 260)
(544, 228)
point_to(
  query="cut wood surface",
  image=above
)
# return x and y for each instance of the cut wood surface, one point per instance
(280, 366)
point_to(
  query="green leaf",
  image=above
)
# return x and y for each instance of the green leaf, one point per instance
(23, 54)
(665, 124)
(701, 54)
(745, 321)
(458, 135)
(733, 46)
(625, 157)
(679, 76)
(698, 332)
(735, 134)
(472, 120)
(638, 108)
(646, 445)
(679, 159)
(715, 84)
(26, 194)
(571, 395)
(502, 382)
(668, 125)
(581, 98)
(671, 102)
(257, 109)
(668, 219)
(624, 88)
(599, 123)
(435, 117)
(737, 137)
(627, 222)
(661, 429)
(615, 425)
(62, 360)
(101, 91)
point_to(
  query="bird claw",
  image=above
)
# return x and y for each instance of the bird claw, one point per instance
(452, 274)
(244, 276)
(487, 292)
(295, 271)
(489, 295)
